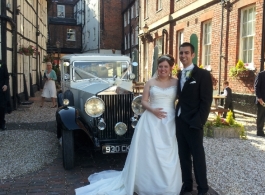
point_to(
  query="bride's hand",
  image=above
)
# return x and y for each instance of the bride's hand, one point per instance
(159, 113)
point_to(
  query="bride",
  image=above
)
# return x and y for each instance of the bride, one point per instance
(152, 166)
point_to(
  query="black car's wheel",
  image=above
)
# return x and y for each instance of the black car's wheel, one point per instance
(68, 149)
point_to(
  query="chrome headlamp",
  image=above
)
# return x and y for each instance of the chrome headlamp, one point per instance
(137, 105)
(131, 76)
(66, 102)
(134, 121)
(94, 106)
(101, 124)
(120, 128)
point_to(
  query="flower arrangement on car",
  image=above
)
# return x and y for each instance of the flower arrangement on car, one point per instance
(28, 50)
(229, 124)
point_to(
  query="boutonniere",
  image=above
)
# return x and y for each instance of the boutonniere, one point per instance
(188, 74)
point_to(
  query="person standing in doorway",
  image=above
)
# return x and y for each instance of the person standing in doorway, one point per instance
(195, 95)
(228, 99)
(260, 98)
(4, 82)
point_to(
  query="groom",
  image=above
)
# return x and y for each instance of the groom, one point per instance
(194, 96)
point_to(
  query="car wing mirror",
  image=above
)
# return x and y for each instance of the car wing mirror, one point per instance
(134, 64)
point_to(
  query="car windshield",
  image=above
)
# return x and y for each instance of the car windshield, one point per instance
(104, 69)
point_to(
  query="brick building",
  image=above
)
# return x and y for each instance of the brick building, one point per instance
(101, 22)
(64, 31)
(222, 32)
(130, 46)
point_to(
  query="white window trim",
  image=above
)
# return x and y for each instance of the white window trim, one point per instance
(206, 66)
(146, 8)
(159, 43)
(125, 19)
(248, 65)
(61, 14)
(136, 35)
(128, 19)
(71, 32)
(125, 42)
(180, 41)
(159, 5)
(132, 38)
(132, 11)
(136, 8)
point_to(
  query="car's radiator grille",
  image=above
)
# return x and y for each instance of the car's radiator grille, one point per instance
(117, 109)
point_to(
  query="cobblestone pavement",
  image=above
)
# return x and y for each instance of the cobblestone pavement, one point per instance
(52, 179)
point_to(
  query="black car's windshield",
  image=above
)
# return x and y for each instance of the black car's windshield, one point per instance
(101, 69)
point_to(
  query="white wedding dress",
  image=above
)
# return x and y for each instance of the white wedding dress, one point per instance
(152, 166)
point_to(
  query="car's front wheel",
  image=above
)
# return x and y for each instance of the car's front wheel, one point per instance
(68, 149)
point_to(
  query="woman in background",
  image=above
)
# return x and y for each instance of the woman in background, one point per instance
(49, 89)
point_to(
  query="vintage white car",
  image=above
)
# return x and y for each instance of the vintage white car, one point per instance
(96, 98)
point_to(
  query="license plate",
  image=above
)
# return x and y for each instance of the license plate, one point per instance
(110, 149)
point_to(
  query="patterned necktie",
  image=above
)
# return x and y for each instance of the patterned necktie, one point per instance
(183, 78)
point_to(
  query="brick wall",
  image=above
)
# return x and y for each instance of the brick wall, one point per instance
(192, 23)
(59, 33)
(111, 25)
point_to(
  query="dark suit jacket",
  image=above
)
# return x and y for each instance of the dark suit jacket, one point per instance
(260, 86)
(4, 80)
(228, 98)
(196, 98)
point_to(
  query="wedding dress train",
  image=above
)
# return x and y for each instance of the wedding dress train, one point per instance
(152, 165)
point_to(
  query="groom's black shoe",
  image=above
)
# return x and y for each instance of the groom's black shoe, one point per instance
(205, 193)
(185, 190)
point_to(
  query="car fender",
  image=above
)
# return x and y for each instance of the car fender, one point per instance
(67, 117)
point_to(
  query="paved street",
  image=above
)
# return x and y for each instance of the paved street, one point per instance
(52, 179)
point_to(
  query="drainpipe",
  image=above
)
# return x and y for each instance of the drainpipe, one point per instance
(130, 32)
(14, 56)
(99, 28)
(220, 52)
(262, 39)
(37, 44)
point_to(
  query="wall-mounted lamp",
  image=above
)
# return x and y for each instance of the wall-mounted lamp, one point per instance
(38, 33)
(146, 34)
(18, 10)
(58, 44)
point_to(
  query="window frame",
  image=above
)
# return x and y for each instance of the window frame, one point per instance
(70, 33)
(158, 5)
(249, 63)
(180, 35)
(125, 19)
(63, 11)
(206, 44)
(159, 42)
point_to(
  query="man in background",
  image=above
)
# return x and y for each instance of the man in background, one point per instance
(228, 99)
(260, 98)
(4, 81)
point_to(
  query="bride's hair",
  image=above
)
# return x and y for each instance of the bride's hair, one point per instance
(166, 57)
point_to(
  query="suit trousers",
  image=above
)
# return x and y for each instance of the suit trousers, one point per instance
(260, 119)
(2, 116)
(190, 144)
(229, 104)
